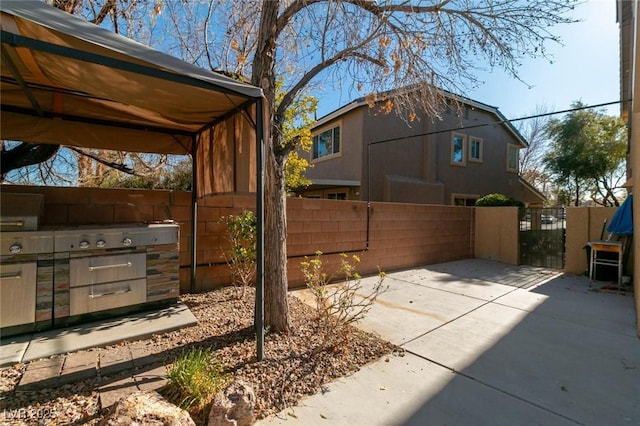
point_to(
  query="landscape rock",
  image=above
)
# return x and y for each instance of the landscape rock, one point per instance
(146, 408)
(235, 406)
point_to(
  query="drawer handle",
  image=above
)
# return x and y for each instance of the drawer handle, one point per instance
(109, 293)
(12, 223)
(11, 277)
(117, 265)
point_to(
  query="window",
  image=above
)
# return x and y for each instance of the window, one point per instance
(464, 200)
(337, 195)
(512, 158)
(458, 142)
(326, 143)
(475, 149)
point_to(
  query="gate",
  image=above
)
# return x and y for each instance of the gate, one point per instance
(542, 237)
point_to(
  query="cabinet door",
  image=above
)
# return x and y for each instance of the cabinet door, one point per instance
(18, 293)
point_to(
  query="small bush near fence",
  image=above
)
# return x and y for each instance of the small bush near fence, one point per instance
(342, 304)
(241, 255)
(498, 200)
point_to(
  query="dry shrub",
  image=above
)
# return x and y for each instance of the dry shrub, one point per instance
(340, 305)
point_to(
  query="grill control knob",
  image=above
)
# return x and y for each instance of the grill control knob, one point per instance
(100, 243)
(127, 242)
(15, 248)
(84, 244)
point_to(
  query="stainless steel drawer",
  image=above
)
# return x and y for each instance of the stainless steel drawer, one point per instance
(99, 297)
(104, 269)
(18, 293)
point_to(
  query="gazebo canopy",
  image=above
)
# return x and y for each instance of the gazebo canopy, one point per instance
(67, 81)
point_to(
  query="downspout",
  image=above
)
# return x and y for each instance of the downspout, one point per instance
(259, 304)
(194, 210)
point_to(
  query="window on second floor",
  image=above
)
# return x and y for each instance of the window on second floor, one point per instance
(475, 149)
(337, 195)
(458, 142)
(512, 158)
(326, 143)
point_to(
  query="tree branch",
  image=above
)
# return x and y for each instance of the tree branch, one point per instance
(25, 154)
(108, 7)
(121, 167)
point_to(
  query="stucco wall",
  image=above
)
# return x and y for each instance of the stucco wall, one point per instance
(634, 137)
(497, 235)
(584, 224)
(497, 232)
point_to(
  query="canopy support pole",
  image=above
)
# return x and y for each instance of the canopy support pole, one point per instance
(259, 308)
(194, 210)
(14, 70)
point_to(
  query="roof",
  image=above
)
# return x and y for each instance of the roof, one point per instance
(527, 185)
(67, 81)
(360, 102)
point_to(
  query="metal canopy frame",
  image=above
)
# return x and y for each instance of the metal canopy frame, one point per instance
(16, 40)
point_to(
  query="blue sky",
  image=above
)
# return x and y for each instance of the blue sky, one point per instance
(585, 67)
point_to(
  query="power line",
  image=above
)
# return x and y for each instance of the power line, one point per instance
(505, 121)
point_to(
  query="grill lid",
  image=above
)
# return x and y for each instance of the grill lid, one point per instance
(20, 212)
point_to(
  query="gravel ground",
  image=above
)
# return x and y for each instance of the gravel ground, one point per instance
(294, 365)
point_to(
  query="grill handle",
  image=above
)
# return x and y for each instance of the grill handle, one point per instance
(110, 293)
(11, 277)
(11, 222)
(117, 265)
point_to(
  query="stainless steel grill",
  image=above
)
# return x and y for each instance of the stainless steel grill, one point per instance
(20, 212)
(20, 249)
(18, 274)
(53, 277)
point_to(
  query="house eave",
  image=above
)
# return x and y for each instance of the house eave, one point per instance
(360, 102)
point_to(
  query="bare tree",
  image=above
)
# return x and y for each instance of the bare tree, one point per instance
(532, 167)
(361, 46)
(376, 46)
(48, 164)
(418, 48)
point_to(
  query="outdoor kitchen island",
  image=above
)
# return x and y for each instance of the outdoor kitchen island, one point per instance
(55, 277)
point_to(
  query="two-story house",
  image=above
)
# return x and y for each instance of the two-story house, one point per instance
(360, 153)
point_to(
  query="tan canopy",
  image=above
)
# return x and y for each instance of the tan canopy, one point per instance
(67, 81)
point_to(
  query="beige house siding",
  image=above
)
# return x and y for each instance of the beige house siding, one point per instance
(629, 20)
(348, 164)
(398, 166)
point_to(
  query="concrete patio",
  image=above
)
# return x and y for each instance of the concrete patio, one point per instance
(485, 343)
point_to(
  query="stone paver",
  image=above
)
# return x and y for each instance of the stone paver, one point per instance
(114, 360)
(42, 373)
(143, 354)
(113, 391)
(152, 379)
(79, 366)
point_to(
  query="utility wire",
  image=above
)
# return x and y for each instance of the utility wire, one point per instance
(505, 121)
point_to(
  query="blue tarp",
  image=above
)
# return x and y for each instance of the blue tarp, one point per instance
(622, 221)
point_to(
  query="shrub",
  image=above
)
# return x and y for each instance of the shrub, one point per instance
(194, 379)
(340, 305)
(497, 200)
(241, 255)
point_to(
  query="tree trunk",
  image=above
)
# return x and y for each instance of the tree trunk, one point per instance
(276, 306)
